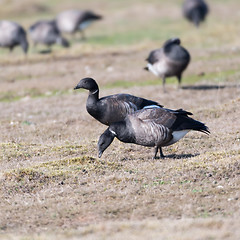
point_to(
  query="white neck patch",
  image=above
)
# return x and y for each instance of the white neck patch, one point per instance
(113, 132)
(95, 91)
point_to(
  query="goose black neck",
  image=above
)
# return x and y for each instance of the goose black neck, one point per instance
(123, 131)
(92, 104)
(94, 94)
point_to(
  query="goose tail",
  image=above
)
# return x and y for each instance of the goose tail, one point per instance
(199, 126)
(204, 129)
(183, 122)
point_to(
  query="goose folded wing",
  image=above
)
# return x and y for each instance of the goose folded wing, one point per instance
(113, 110)
(159, 116)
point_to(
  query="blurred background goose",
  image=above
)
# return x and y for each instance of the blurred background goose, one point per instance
(153, 127)
(111, 108)
(72, 21)
(12, 35)
(195, 11)
(168, 61)
(46, 32)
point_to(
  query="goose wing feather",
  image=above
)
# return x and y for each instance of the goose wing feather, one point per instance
(127, 98)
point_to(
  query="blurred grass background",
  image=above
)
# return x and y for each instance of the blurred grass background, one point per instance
(131, 29)
(136, 23)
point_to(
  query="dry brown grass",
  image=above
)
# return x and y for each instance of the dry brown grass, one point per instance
(52, 185)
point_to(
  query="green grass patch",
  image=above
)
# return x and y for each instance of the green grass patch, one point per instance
(135, 35)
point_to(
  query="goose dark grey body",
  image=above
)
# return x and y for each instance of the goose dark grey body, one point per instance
(71, 21)
(12, 35)
(111, 108)
(195, 11)
(152, 127)
(168, 61)
(47, 33)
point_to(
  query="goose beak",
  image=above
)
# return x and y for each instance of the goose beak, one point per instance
(100, 154)
(77, 87)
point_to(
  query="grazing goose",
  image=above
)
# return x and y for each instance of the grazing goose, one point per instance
(111, 108)
(152, 127)
(195, 11)
(12, 35)
(46, 32)
(71, 21)
(168, 61)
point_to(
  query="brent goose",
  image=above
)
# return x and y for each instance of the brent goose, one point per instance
(111, 108)
(168, 61)
(12, 35)
(195, 11)
(152, 127)
(47, 33)
(71, 21)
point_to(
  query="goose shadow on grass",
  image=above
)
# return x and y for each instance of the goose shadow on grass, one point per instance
(180, 156)
(47, 51)
(208, 87)
(171, 156)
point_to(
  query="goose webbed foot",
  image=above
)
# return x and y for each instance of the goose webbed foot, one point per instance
(156, 151)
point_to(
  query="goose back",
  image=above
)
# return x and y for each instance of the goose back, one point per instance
(46, 32)
(74, 20)
(175, 52)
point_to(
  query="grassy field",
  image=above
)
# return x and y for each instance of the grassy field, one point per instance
(53, 185)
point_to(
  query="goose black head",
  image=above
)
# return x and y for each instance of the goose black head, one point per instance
(104, 141)
(89, 15)
(87, 83)
(172, 41)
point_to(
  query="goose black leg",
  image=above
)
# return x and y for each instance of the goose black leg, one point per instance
(161, 153)
(11, 49)
(163, 84)
(179, 81)
(155, 153)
